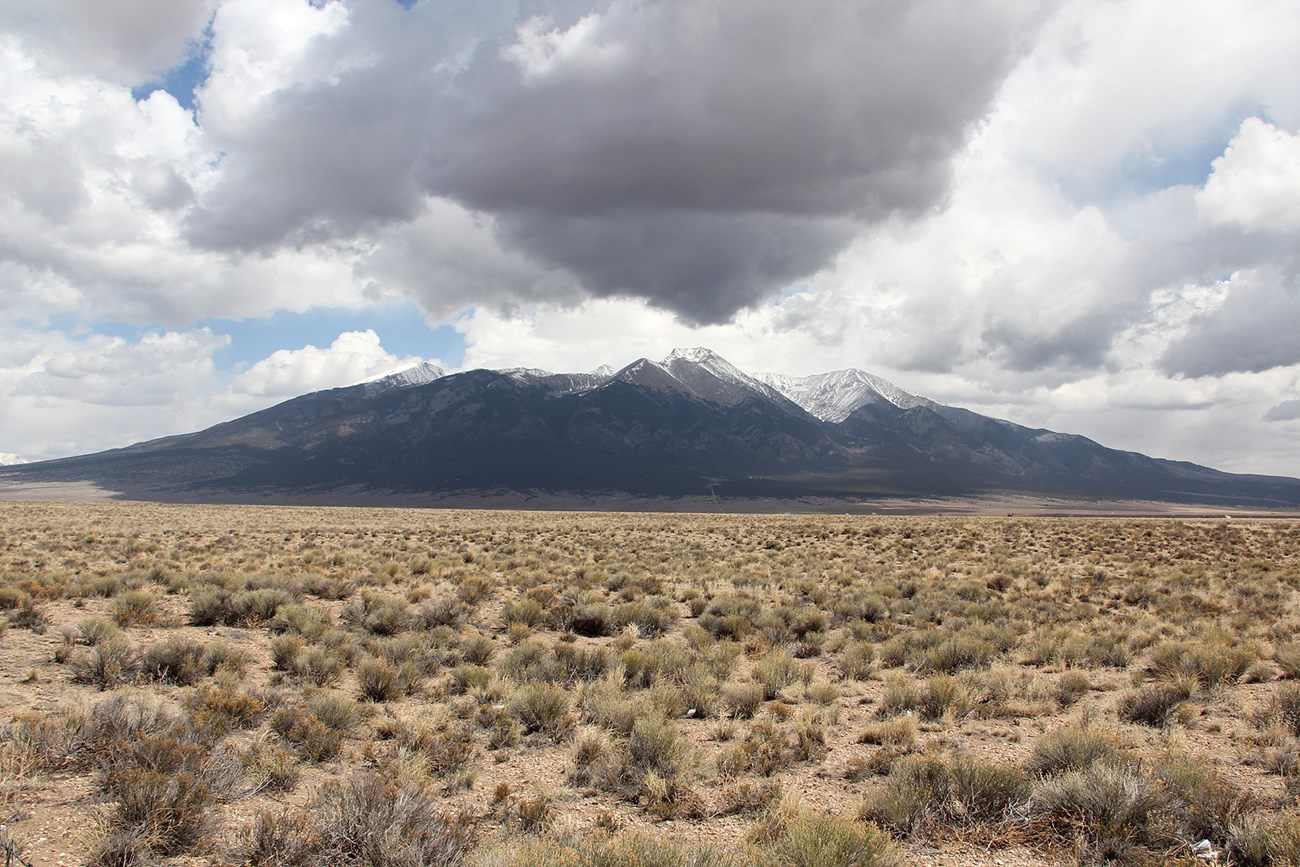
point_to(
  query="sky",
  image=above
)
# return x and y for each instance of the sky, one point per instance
(1081, 215)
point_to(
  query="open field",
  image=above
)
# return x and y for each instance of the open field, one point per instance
(301, 686)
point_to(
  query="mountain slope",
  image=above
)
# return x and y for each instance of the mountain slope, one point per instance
(690, 424)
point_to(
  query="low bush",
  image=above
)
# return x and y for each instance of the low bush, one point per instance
(312, 739)
(361, 820)
(134, 608)
(987, 791)
(1154, 705)
(917, 791)
(542, 707)
(817, 840)
(1071, 749)
(106, 665)
(176, 661)
(1113, 806)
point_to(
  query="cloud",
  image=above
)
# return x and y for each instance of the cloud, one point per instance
(1287, 410)
(1252, 329)
(351, 358)
(126, 41)
(1256, 183)
(698, 157)
(112, 371)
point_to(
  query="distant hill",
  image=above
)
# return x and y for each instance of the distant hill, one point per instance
(692, 424)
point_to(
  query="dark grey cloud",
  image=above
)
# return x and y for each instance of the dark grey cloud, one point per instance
(1252, 330)
(703, 266)
(697, 155)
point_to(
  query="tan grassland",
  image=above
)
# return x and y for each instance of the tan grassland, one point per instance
(187, 685)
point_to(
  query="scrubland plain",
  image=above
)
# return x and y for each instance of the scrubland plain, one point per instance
(293, 686)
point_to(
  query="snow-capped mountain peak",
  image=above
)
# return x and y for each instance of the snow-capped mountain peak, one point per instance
(8, 459)
(712, 377)
(412, 375)
(835, 395)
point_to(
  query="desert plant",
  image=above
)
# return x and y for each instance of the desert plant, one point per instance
(742, 699)
(1071, 749)
(857, 660)
(656, 745)
(542, 707)
(986, 791)
(105, 665)
(362, 820)
(133, 608)
(817, 840)
(1072, 686)
(178, 661)
(1155, 705)
(917, 791)
(220, 709)
(1113, 806)
(313, 740)
(379, 680)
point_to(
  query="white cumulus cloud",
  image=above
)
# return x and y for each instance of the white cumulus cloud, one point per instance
(351, 358)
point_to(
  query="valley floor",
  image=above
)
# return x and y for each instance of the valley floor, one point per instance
(244, 684)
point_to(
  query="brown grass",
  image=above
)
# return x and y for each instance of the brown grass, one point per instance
(541, 688)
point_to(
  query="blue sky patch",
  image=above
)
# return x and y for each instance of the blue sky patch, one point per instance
(401, 328)
(184, 80)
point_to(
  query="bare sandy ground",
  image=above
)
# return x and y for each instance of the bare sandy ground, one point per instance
(991, 505)
(64, 492)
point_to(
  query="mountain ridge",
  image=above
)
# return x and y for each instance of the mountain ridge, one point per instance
(689, 425)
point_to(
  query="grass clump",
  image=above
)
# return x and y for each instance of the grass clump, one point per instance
(817, 840)
(542, 707)
(364, 820)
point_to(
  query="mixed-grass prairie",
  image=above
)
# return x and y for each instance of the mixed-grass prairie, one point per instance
(299, 686)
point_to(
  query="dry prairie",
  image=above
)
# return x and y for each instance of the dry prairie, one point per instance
(275, 685)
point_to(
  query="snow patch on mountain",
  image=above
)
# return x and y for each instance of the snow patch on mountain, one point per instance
(834, 396)
(9, 459)
(710, 376)
(407, 377)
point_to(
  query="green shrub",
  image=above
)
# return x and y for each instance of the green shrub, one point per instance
(1112, 805)
(899, 695)
(221, 709)
(379, 680)
(957, 653)
(943, 694)
(527, 611)
(1287, 657)
(774, 672)
(742, 699)
(1286, 705)
(1072, 686)
(105, 665)
(255, 607)
(377, 613)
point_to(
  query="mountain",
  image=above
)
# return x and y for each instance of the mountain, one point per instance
(7, 459)
(691, 424)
